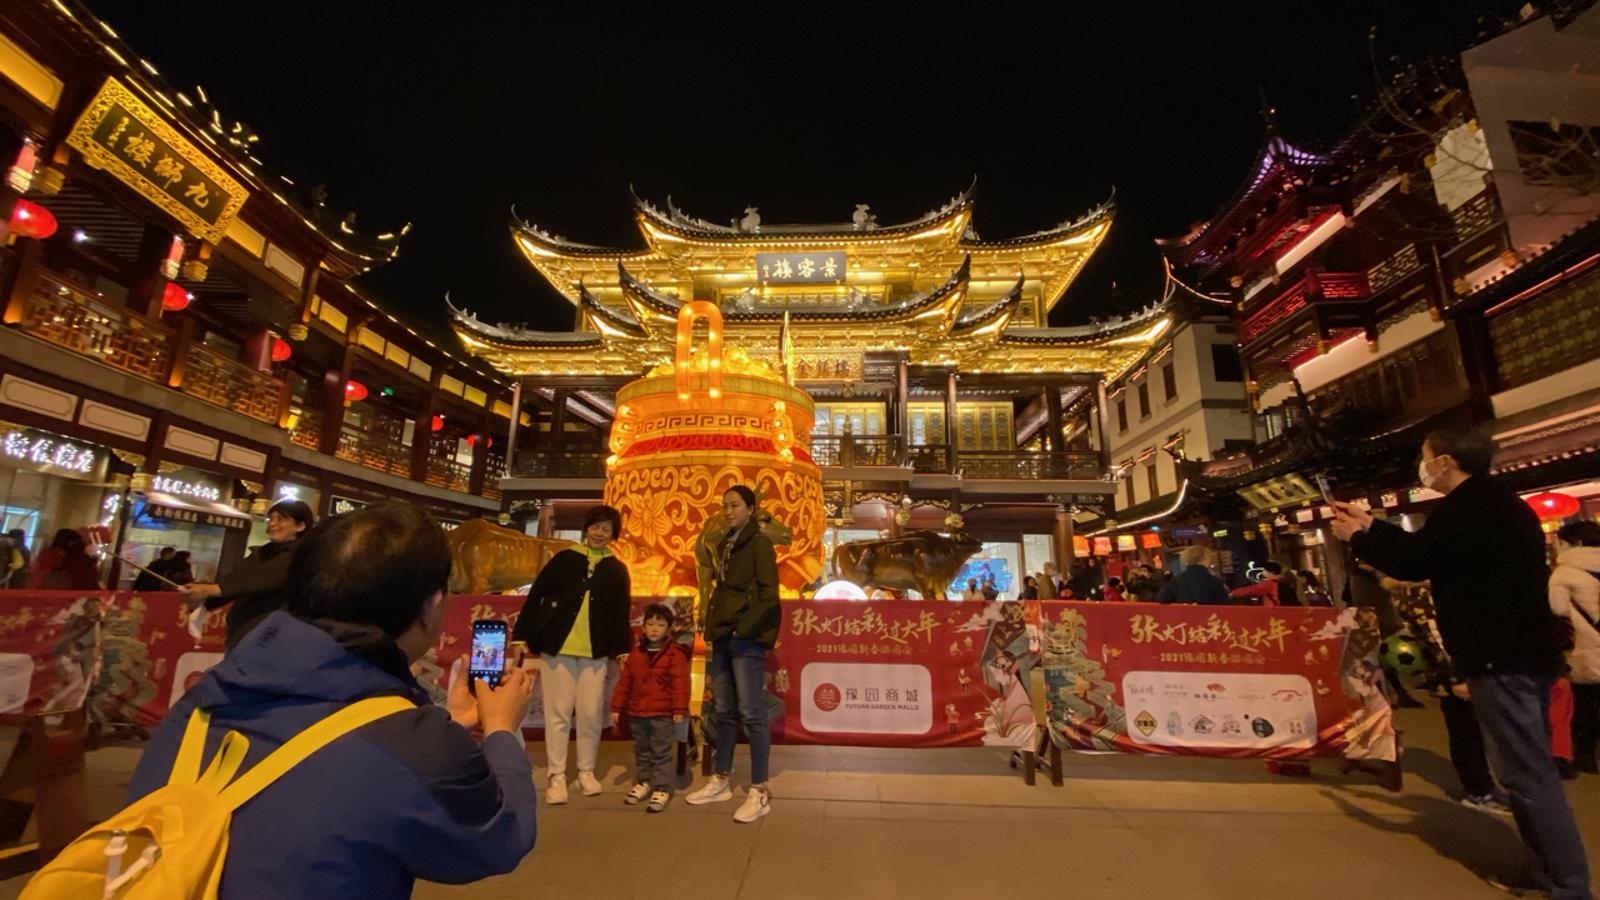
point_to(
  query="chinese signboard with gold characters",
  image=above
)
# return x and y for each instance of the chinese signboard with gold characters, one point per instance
(800, 268)
(120, 133)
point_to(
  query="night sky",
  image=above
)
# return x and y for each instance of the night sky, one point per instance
(448, 116)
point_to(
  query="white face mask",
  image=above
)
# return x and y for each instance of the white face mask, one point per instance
(1424, 476)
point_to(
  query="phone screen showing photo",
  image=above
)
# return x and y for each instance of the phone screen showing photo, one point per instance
(488, 654)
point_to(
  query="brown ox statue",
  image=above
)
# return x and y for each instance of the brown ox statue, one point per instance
(924, 561)
(715, 530)
(488, 558)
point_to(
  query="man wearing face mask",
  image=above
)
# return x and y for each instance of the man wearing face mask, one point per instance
(1483, 551)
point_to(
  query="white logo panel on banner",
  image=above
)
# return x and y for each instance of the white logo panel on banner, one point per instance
(865, 698)
(1209, 709)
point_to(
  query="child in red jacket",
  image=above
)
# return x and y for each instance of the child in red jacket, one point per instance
(654, 692)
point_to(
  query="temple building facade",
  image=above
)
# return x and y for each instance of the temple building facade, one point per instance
(939, 387)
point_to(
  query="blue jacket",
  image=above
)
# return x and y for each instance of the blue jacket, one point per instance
(411, 795)
(1195, 584)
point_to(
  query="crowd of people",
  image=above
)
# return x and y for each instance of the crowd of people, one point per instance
(328, 616)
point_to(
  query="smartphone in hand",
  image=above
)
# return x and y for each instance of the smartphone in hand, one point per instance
(1322, 485)
(486, 660)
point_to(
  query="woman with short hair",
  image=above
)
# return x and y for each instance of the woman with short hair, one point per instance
(576, 619)
(256, 588)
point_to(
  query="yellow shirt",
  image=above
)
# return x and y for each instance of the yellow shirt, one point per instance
(578, 642)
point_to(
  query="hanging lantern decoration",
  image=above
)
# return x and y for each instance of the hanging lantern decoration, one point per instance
(30, 220)
(354, 392)
(20, 176)
(174, 298)
(437, 424)
(472, 440)
(281, 349)
(1551, 505)
(173, 263)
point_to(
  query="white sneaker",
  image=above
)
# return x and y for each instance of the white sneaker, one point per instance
(658, 802)
(589, 784)
(556, 794)
(715, 791)
(756, 804)
(637, 795)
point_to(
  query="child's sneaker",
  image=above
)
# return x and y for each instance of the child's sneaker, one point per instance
(658, 801)
(637, 795)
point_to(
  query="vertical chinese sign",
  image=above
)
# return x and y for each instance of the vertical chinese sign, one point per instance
(120, 133)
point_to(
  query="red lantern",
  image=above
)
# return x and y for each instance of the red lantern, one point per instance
(437, 424)
(1551, 505)
(281, 349)
(174, 298)
(30, 220)
(354, 391)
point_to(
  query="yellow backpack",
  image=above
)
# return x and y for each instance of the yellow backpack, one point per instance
(172, 842)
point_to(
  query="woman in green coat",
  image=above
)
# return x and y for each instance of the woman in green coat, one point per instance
(741, 625)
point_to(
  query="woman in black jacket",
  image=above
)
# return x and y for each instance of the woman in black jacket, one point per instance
(576, 619)
(255, 587)
(741, 624)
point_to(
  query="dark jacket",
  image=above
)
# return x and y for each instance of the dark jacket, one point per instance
(148, 580)
(56, 570)
(1195, 584)
(1483, 551)
(557, 594)
(257, 587)
(653, 683)
(409, 796)
(744, 600)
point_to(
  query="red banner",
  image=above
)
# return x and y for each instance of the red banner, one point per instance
(1234, 681)
(1219, 681)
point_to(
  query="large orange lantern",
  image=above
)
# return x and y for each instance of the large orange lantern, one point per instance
(691, 429)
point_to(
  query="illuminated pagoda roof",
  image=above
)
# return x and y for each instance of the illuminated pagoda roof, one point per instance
(695, 256)
(928, 287)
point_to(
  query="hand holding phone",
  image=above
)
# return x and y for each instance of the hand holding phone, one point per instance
(1322, 485)
(486, 657)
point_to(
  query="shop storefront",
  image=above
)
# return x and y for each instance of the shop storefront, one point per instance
(188, 510)
(49, 482)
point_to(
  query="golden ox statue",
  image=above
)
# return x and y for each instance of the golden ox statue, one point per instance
(486, 558)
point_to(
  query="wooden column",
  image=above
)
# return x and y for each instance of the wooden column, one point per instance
(30, 259)
(144, 273)
(1052, 400)
(516, 423)
(902, 410)
(333, 382)
(951, 409)
(480, 455)
(179, 364)
(1063, 541)
(547, 519)
(422, 439)
(558, 422)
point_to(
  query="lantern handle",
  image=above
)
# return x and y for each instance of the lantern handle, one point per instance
(692, 312)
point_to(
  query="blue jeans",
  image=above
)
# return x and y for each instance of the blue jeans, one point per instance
(738, 669)
(1515, 713)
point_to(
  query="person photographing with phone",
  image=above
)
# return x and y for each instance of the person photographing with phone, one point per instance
(411, 794)
(1483, 552)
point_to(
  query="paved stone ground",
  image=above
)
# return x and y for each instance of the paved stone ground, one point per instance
(925, 824)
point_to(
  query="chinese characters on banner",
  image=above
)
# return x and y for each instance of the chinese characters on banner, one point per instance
(1282, 682)
(800, 268)
(120, 133)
